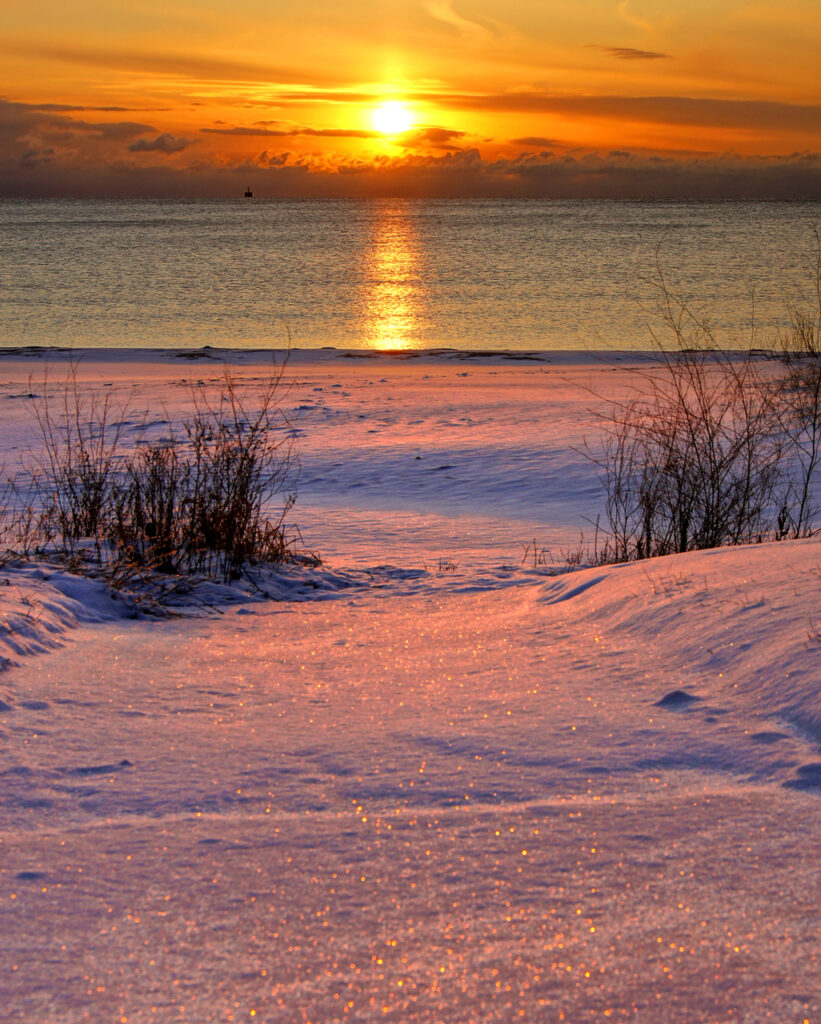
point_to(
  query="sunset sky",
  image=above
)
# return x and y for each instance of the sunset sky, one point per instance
(411, 97)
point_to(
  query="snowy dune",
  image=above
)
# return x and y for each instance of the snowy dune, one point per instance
(430, 781)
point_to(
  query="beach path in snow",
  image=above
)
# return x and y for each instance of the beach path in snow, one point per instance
(470, 793)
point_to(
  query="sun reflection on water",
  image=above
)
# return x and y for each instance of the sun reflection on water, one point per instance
(394, 281)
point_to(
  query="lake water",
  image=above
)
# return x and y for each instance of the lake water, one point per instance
(471, 274)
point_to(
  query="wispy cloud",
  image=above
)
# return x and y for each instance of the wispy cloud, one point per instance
(70, 108)
(628, 53)
(626, 14)
(300, 97)
(443, 11)
(326, 133)
(674, 110)
(193, 67)
(109, 129)
(432, 137)
(26, 117)
(536, 140)
(164, 143)
(426, 136)
(32, 157)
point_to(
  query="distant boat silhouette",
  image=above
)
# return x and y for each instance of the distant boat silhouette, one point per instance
(248, 193)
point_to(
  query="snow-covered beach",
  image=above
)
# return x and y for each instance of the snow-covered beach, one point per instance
(429, 780)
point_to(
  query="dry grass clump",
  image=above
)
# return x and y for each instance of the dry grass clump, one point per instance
(74, 473)
(799, 398)
(211, 497)
(199, 501)
(714, 447)
(694, 460)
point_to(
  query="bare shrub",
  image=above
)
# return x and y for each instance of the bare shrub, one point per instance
(694, 459)
(200, 500)
(211, 497)
(798, 399)
(20, 519)
(75, 472)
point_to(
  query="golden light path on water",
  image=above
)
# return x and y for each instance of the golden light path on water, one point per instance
(393, 276)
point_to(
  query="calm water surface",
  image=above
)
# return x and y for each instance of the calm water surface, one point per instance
(389, 273)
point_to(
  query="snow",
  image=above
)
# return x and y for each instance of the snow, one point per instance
(430, 780)
(39, 604)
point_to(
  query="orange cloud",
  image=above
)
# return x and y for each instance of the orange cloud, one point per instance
(196, 67)
(465, 172)
(164, 143)
(549, 112)
(674, 110)
(326, 133)
(432, 137)
(628, 53)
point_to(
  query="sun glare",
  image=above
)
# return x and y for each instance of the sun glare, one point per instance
(392, 118)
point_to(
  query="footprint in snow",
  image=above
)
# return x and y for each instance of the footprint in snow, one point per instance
(677, 700)
(809, 778)
(100, 769)
(768, 737)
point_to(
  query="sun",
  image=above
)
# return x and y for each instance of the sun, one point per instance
(392, 118)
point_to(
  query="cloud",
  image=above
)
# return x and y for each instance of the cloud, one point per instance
(338, 133)
(628, 53)
(674, 110)
(461, 173)
(109, 129)
(242, 130)
(46, 138)
(164, 143)
(266, 159)
(33, 157)
(44, 152)
(54, 115)
(245, 131)
(68, 108)
(432, 137)
(293, 97)
(626, 15)
(45, 133)
(678, 110)
(536, 140)
(442, 11)
(622, 174)
(593, 175)
(326, 133)
(176, 65)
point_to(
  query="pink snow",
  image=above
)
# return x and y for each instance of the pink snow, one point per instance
(431, 780)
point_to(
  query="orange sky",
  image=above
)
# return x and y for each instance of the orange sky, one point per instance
(563, 97)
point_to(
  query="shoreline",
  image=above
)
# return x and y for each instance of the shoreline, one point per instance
(330, 355)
